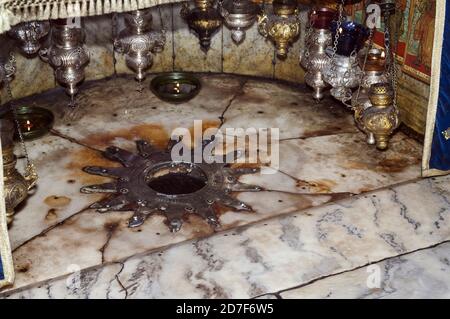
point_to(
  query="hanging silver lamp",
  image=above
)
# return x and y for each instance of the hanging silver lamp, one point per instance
(315, 58)
(29, 35)
(239, 15)
(67, 55)
(138, 42)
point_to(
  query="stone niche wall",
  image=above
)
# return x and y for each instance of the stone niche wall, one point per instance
(255, 56)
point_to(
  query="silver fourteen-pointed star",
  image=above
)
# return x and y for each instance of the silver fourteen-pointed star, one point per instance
(150, 182)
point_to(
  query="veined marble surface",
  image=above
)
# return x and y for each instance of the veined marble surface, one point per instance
(294, 250)
(322, 159)
(423, 274)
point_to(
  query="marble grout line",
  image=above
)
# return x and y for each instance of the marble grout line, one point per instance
(356, 268)
(306, 136)
(236, 229)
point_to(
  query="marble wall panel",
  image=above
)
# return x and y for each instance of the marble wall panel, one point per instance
(100, 45)
(254, 56)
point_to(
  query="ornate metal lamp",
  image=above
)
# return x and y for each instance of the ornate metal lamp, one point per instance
(281, 25)
(373, 66)
(16, 185)
(378, 120)
(204, 19)
(138, 42)
(67, 55)
(239, 15)
(382, 118)
(29, 35)
(314, 58)
(344, 72)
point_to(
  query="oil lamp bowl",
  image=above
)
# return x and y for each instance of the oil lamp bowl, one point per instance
(352, 37)
(321, 18)
(175, 87)
(40, 121)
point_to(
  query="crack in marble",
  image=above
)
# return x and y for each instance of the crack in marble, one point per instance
(110, 230)
(56, 133)
(238, 93)
(360, 267)
(45, 231)
(117, 278)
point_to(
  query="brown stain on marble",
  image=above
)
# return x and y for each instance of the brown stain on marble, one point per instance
(111, 226)
(57, 201)
(206, 124)
(23, 268)
(329, 130)
(250, 97)
(402, 154)
(51, 214)
(199, 227)
(384, 165)
(153, 133)
(88, 157)
(318, 186)
(393, 165)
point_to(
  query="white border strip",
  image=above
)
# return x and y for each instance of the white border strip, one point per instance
(5, 248)
(434, 90)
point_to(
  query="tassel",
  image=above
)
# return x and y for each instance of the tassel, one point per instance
(54, 14)
(106, 7)
(134, 5)
(126, 5)
(77, 9)
(62, 10)
(26, 14)
(99, 7)
(34, 12)
(91, 8)
(119, 6)
(45, 13)
(70, 10)
(84, 10)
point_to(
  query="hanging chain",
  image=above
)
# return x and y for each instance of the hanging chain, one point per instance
(394, 62)
(338, 28)
(30, 170)
(308, 34)
(387, 43)
(369, 47)
(390, 58)
(163, 30)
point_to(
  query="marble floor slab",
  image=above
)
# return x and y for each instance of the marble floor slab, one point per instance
(297, 250)
(424, 274)
(55, 231)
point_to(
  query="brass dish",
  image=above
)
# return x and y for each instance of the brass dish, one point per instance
(175, 87)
